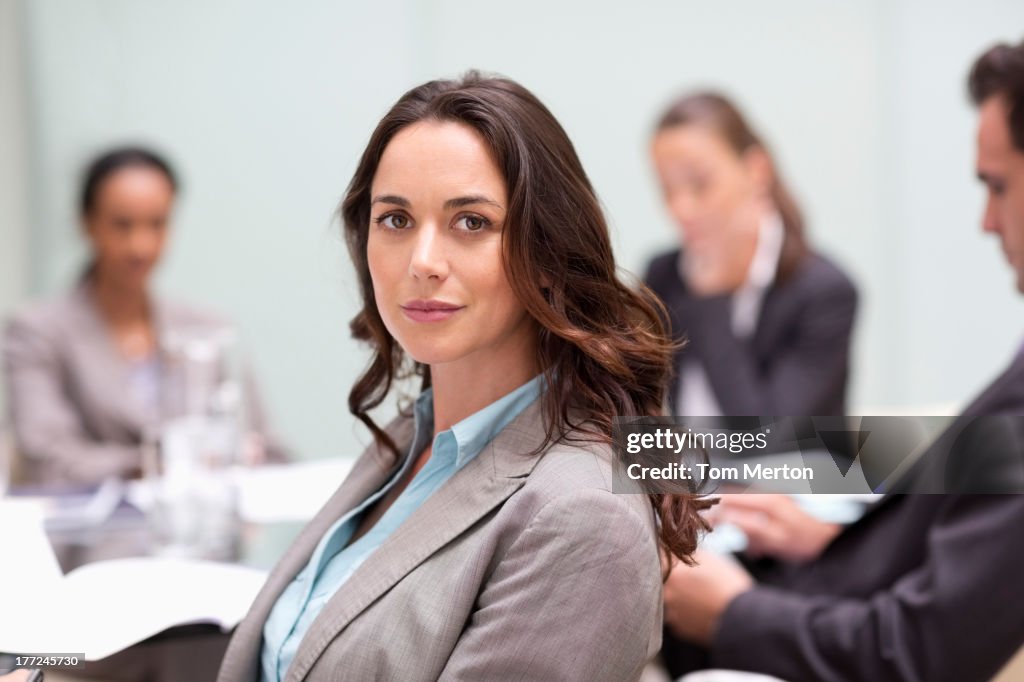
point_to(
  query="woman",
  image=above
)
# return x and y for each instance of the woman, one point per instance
(84, 372)
(767, 323)
(478, 538)
(767, 320)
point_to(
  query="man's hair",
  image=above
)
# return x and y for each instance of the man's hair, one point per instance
(1000, 72)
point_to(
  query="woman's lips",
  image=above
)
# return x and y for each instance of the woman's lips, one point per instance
(429, 311)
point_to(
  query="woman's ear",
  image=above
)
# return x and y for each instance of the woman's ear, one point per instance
(759, 170)
(545, 281)
(85, 227)
(545, 287)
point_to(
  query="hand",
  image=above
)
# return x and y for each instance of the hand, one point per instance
(254, 450)
(717, 262)
(696, 596)
(775, 526)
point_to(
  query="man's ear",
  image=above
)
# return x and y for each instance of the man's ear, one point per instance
(85, 229)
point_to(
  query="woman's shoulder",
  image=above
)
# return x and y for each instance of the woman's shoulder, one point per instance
(820, 274)
(187, 314)
(577, 464)
(45, 316)
(663, 268)
(66, 309)
(578, 478)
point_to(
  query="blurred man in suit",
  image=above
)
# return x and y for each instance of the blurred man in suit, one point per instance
(923, 587)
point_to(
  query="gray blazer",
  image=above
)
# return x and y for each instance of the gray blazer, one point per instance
(73, 416)
(518, 568)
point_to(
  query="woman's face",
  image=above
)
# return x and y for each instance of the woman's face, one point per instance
(707, 186)
(438, 208)
(127, 226)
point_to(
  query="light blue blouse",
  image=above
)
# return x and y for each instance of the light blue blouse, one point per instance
(333, 562)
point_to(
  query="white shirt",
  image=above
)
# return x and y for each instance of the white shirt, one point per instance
(696, 398)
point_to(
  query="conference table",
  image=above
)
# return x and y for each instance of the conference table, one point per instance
(109, 528)
(99, 528)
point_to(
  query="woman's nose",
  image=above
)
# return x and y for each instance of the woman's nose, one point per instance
(684, 213)
(428, 259)
(144, 241)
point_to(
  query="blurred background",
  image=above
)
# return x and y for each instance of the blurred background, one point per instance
(264, 108)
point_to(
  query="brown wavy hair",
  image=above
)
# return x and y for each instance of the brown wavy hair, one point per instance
(717, 113)
(602, 346)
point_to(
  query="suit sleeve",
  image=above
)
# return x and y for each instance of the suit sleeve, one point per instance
(48, 430)
(805, 378)
(954, 618)
(576, 597)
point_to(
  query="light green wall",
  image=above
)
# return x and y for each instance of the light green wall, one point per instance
(265, 106)
(13, 164)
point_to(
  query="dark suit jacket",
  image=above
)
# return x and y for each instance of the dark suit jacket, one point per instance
(923, 587)
(795, 364)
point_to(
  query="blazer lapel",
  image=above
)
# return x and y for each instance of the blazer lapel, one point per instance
(1005, 394)
(772, 321)
(370, 472)
(483, 484)
(676, 299)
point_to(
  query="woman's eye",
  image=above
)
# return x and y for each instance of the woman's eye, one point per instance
(395, 221)
(473, 223)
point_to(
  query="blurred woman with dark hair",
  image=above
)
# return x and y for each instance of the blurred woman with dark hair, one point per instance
(478, 537)
(84, 371)
(767, 320)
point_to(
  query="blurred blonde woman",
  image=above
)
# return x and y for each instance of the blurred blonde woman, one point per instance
(767, 320)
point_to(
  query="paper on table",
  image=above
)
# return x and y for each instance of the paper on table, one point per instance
(291, 492)
(104, 607)
(841, 508)
(25, 552)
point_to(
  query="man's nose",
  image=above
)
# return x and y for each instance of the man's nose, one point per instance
(990, 219)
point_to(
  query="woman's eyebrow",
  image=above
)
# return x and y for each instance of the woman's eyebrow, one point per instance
(459, 202)
(391, 199)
